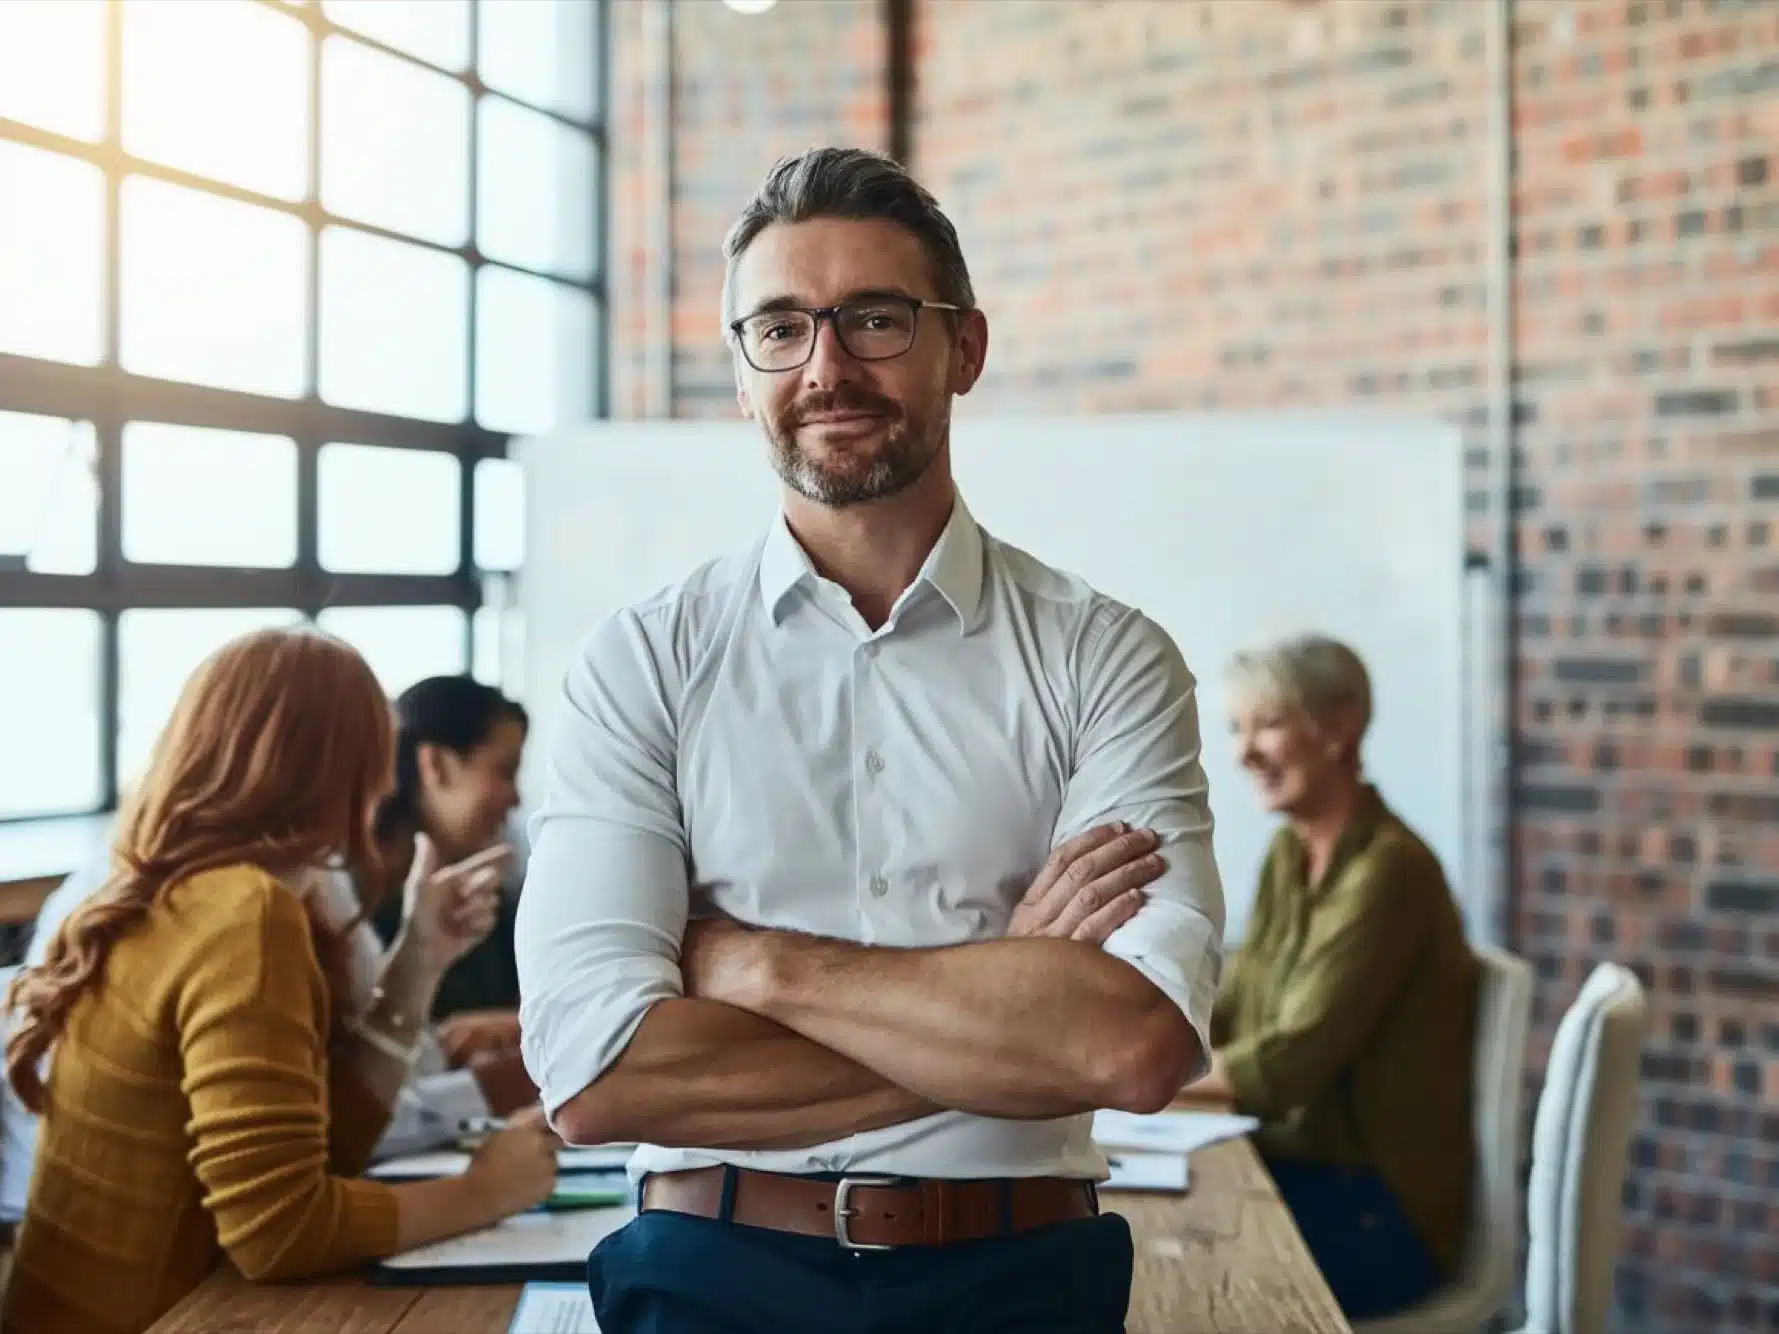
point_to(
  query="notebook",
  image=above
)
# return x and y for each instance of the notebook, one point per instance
(450, 1163)
(1164, 1172)
(536, 1246)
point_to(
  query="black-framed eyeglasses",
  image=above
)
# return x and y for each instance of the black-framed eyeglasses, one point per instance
(876, 328)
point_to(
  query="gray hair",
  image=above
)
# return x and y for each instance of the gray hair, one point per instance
(1314, 673)
(853, 183)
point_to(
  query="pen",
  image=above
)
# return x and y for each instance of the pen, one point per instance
(480, 1125)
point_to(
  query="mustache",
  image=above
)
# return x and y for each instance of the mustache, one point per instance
(828, 402)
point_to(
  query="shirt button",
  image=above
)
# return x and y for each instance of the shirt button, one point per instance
(873, 762)
(879, 885)
(871, 649)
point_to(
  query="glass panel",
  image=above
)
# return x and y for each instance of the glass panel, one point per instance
(500, 515)
(49, 711)
(213, 290)
(49, 507)
(52, 255)
(156, 652)
(394, 143)
(402, 644)
(195, 496)
(52, 65)
(535, 202)
(545, 52)
(220, 89)
(361, 531)
(500, 648)
(534, 353)
(393, 322)
(435, 30)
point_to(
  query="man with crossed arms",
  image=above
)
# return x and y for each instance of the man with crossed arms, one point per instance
(875, 857)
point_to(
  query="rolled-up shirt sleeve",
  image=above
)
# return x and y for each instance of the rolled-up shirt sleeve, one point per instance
(1138, 759)
(603, 909)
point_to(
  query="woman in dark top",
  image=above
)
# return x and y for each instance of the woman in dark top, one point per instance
(458, 747)
(1346, 1024)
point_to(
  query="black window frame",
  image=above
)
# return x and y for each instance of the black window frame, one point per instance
(109, 397)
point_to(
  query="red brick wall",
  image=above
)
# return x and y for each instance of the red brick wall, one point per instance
(1245, 203)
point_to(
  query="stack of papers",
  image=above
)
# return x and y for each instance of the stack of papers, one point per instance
(1169, 1132)
(450, 1163)
(554, 1308)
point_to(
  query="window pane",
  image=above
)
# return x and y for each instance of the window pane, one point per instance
(194, 496)
(52, 65)
(52, 254)
(213, 290)
(361, 531)
(49, 712)
(156, 652)
(394, 143)
(500, 648)
(392, 326)
(545, 52)
(500, 515)
(220, 89)
(49, 506)
(435, 30)
(402, 644)
(534, 353)
(535, 197)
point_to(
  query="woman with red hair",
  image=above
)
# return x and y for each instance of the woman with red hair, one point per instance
(212, 1089)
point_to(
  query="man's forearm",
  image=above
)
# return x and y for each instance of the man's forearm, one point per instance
(709, 1075)
(1008, 1028)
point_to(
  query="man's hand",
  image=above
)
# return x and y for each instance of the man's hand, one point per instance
(1091, 886)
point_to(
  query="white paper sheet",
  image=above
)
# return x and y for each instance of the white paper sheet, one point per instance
(1147, 1171)
(419, 1166)
(525, 1239)
(1169, 1132)
(554, 1308)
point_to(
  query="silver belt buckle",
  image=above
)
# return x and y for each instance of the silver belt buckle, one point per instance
(844, 1213)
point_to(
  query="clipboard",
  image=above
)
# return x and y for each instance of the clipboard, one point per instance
(533, 1247)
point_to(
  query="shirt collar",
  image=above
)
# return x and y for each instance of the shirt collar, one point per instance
(953, 568)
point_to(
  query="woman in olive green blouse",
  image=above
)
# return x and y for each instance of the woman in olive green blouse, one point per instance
(1346, 1024)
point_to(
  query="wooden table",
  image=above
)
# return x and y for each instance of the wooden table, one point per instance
(1223, 1259)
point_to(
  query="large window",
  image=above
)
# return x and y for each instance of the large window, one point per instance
(278, 282)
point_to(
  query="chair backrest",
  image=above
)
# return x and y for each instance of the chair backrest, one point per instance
(1579, 1145)
(1504, 1012)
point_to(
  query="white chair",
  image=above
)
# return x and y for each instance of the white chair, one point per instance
(1580, 1141)
(1484, 1284)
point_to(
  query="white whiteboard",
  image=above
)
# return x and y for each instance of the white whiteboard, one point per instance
(1227, 529)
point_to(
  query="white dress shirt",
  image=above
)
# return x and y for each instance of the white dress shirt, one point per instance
(744, 744)
(429, 1110)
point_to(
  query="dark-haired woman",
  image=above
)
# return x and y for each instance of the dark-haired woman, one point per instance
(458, 747)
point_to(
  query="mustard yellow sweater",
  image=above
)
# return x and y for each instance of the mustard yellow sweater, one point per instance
(191, 1116)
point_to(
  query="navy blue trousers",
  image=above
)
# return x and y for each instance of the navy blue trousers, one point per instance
(1374, 1261)
(670, 1273)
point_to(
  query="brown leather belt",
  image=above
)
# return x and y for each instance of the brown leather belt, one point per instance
(874, 1213)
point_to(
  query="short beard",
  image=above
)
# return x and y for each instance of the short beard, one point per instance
(907, 450)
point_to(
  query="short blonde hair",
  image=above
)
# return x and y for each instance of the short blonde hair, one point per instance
(1314, 673)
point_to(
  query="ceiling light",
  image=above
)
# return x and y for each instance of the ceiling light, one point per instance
(750, 6)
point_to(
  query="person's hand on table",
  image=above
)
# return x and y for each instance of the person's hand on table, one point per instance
(514, 1169)
(472, 1033)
